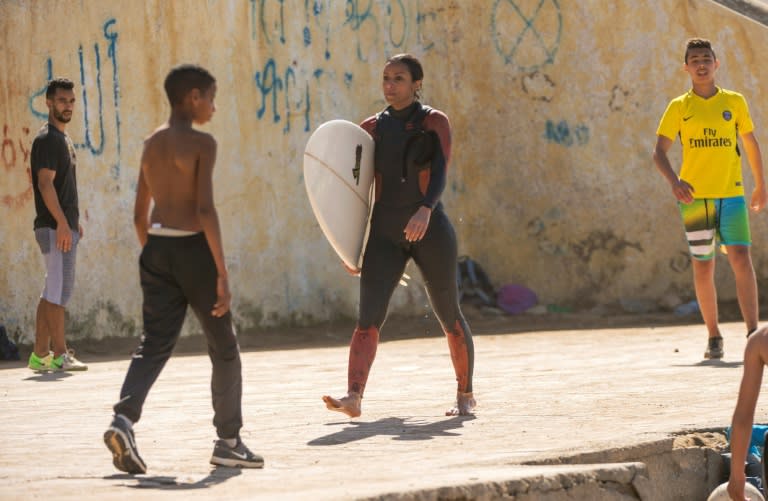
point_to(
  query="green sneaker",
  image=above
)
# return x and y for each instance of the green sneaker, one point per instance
(67, 362)
(40, 364)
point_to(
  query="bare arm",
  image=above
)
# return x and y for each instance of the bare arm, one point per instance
(141, 206)
(743, 415)
(755, 159)
(45, 179)
(681, 189)
(209, 220)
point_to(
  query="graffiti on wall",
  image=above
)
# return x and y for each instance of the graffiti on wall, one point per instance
(618, 98)
(680, 262)
(16, 190)
(538, 86)
(526, 34)
(97, 131)
(286, 85)
(600, 256)
(362, 17)
(566, 134)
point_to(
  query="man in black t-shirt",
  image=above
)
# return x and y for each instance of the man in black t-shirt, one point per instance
(57, 228)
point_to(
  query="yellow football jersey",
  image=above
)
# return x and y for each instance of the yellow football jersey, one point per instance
(708, 129)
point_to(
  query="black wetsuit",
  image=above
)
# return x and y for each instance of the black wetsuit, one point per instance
(410, 172)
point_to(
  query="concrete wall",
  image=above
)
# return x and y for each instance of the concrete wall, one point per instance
(554, 106)
(662, 473)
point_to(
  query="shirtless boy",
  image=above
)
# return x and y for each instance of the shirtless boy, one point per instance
(182, 263)
(755, 358)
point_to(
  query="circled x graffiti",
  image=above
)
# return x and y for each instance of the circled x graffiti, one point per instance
(527, 33)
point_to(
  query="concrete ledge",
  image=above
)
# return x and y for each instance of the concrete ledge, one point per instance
(627, 481)
(684, 467)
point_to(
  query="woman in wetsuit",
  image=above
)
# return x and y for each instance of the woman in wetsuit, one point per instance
(413, 149)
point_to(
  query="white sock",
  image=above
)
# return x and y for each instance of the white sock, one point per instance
(231, 442)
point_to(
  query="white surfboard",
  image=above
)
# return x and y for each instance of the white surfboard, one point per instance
(338, 175)
(721, 493)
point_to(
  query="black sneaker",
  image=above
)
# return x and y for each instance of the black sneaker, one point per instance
(714, 348)
(239, 455)
(121, 442)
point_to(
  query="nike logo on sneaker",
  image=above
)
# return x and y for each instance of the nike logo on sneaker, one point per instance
(237, 455)
(685, 119)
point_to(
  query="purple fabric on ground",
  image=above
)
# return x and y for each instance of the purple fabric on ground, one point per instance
(515, 299)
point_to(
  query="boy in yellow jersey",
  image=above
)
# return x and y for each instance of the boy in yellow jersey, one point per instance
(709, 188)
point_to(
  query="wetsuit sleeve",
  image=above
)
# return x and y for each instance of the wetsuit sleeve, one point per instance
(437, 123)
(369, 125)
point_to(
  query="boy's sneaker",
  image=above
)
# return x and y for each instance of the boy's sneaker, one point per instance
(239, 455)
(40, 363)
(67, 362)
(121, 442)
(714, 348)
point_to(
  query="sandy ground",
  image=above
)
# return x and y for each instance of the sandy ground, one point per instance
(547, 388)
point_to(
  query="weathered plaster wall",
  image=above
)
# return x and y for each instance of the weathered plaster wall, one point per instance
(554, 106)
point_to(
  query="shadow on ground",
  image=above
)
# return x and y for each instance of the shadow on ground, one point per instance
(721, 364)
(218, 475)
(397, 428)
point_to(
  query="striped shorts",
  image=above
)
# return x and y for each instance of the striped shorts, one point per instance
(709, 221)
(59, 266)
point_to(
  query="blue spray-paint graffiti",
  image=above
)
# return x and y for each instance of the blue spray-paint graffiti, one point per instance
(422, 18)
(356, 18)
(270, 84)
(41, 92)
(112, 55)
(84, 85)
(290, 76)
(368, 24)
(537, 42)
(565, 134)
(110, 34)
(273, 26)
(314, 13)
(401, 15)
(253, 19)
(265, 24)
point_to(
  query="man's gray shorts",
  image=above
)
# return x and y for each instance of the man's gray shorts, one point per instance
(59, 266)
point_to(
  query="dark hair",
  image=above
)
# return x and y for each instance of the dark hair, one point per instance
(698, 43)
(414, 67)
(58, 83)
(183, 78)
(413, 64)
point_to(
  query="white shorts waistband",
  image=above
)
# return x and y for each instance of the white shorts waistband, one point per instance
(161, 231)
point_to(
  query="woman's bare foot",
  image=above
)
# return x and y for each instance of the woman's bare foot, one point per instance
(465, 404)
(349, 404)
